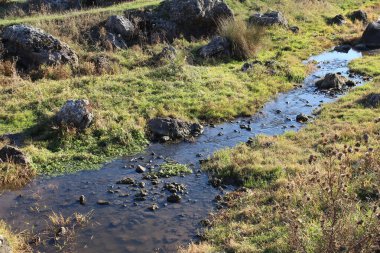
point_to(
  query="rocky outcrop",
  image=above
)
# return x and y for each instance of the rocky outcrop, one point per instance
(75, 113)
(371, 35)
(268, 19)
(172, 129)
(334, 81)
(120, 30)
(13, 155)
(342, 48)
(358, 15)
(174, 18)
(33, 47)
(4, 245)
(219, 46)
(337, 20)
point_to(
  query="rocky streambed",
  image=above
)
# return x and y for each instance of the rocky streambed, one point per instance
(144, 214)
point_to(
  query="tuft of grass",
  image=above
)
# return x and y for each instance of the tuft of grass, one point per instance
(245, 38)
(172, 169)
(13, 176)
(18, 242)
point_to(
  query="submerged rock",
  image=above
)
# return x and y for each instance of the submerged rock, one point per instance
(13, 155)
(33, 47)
(174, 198)
(268, 19)
(334, 81)
(75, 113)
(218, 46)
(371, 35)
(126, 180)
(173, 128)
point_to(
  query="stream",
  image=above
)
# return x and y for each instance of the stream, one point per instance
(126, 225)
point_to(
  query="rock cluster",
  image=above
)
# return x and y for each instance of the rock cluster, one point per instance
(33, 47)
(171, 19)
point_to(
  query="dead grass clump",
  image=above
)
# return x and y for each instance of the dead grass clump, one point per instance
(245, 38)
(13, 176)
(18, 242)
(63, 229)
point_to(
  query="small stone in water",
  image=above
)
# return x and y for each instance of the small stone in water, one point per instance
(154, 207)
(103, 202)
(82, 199)
(174, 198)
(140, 169)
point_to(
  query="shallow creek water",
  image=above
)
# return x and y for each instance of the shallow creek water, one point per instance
(128, 226)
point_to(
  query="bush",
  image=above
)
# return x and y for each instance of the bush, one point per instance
(245, 38)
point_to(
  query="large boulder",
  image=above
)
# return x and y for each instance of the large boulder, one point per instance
(75, 113)
(358, 15)
(268, 19)
(33, 47)
(14, 155)
(4, 245)
(173, 18)
(333, 81)
(173, 129)
(219, 46)
(371, 35)
(120, 25)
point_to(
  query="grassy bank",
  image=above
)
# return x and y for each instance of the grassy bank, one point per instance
(188, 88)
(312, 191)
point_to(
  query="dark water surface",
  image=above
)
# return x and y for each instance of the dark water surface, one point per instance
(124, 226)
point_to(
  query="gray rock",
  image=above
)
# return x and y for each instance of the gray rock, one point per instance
(140, 169)
(120, 25)
(76, 113)
(33, 47)
(219, 46)
(4, 245)
(173, 128)
(116, 41)
(268, 19)
(126, 180)
(371, 35)
(333, 81)
(358, 15)
(14, 155)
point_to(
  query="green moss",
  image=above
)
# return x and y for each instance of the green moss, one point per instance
(171, 169)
